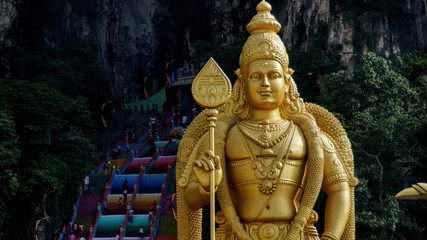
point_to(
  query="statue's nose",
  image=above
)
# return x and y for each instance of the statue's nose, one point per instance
(265, 81)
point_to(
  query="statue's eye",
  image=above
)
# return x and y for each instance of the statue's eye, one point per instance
(255, 76)
(275, 75)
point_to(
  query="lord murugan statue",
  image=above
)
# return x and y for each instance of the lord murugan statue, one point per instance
(272, 154)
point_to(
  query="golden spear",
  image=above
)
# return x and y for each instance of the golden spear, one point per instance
(211, 89)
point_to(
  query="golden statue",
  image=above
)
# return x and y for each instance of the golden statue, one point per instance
(272, 153)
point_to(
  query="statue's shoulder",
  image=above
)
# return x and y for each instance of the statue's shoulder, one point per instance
(333, 137)
(233, 136)
(234, 131)
(327, 143)
(234, 145)
(196, 141)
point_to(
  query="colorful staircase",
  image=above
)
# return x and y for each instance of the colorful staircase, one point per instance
(151, 181)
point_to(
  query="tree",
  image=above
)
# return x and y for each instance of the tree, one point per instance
(53, 121)
(9, 155)
(382, 113)
(43, 165)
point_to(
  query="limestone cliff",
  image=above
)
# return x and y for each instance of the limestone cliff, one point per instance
(137, 38)
(8, 14)
(394, 30)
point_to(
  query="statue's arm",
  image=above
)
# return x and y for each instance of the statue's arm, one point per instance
(195, 196)
(336, 186)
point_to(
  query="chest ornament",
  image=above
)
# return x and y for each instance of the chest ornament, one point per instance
(267, 167)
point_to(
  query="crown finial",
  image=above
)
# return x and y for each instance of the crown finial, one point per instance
(263, 6)
(263, 21)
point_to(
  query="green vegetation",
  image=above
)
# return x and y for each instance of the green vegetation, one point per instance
(363, 38)
(384, 114)
(9, 155)
(415, 66)
(48, 131)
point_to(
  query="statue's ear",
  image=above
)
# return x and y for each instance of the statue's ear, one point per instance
(290, 71)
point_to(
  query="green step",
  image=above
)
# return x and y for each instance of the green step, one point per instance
(167, 226)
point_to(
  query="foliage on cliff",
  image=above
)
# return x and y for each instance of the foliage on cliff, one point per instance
(383, 107)
(49, 133)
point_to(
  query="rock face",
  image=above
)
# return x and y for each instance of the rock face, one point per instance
(137, 38)
(8, 14)
(386, 31)
(123, 30)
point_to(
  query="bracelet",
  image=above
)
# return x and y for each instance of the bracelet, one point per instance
(329, 236)
(203, 191)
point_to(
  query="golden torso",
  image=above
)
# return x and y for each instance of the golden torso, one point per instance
(247, 159)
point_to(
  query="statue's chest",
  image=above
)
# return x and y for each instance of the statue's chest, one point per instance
(265, 159)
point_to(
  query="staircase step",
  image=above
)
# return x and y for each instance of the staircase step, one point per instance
(87, 205)
(167, 226)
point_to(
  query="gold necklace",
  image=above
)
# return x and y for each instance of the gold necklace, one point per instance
(266, 142)
(265, 126)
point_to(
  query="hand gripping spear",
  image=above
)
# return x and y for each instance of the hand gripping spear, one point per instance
(211, 89)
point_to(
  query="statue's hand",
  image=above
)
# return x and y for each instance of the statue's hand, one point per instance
(203, 167)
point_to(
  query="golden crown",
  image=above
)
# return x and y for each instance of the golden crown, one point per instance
(263, 41)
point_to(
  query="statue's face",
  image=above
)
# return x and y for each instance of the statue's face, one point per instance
(265, 84)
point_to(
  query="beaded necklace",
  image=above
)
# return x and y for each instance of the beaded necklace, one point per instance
(265, 125)
(264, 140)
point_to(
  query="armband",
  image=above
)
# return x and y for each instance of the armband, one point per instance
(334, 178)
(329, 236)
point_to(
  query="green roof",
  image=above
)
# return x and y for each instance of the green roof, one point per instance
(157, 99)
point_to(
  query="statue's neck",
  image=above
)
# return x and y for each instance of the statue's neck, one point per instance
(258, 115)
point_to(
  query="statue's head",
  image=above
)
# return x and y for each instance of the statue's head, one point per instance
(264, 44)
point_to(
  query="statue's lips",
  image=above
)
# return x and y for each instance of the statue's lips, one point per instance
(265, 93)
